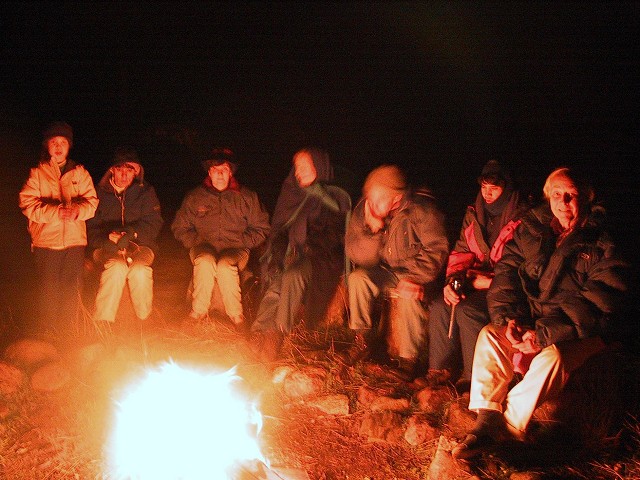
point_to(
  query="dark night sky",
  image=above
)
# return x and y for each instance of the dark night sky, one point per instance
(436, 87)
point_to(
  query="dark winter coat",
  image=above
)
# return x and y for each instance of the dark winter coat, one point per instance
(135, 211)
(233, 218)
(565, 292)
(413, 243)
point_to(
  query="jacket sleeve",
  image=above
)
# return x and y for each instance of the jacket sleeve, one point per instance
(461, 258)
(97, 230)
(257, 222)
(183, 227)
(428, 225)
(362, 246)
(147, 227)
(33, 206)
(87, 199)
(506, 298)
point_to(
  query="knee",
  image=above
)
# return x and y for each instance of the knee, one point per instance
(116, 267)
(227, 265)
(139, 273)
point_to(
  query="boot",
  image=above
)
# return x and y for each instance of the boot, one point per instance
(404, 369)
(358, 351)
(271, 345)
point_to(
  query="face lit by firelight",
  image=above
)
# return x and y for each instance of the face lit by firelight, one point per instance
(563, 199)
(58, 148)
(382, 201)
(123, 175)
(490, 192)
(305, 170)
(220, 176)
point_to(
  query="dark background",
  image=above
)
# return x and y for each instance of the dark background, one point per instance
(437, 87)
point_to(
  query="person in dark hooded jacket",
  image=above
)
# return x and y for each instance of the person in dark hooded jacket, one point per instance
(123, 235)
(305, 251)
(559, 295)
(457, 317)
(220, 222)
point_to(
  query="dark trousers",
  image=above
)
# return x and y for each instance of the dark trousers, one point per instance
(456, 353)
(60, 283)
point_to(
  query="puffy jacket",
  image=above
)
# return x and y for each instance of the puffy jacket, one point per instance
(234, 218)
(136, 210)
(413, 243)
(565, 292)
(45, 191)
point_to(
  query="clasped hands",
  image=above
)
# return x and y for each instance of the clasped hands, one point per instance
(521, 338)
(69, 212)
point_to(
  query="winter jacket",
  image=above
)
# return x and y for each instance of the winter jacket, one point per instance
(45, 191)
(472, 250)
(135, 211)
(413, 243)
(234, 218)
(565, 292)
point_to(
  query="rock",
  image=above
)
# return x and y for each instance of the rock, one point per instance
(83, 360)
(280, 373)
(300, 385)
(331, 404)
(459, 419)
(444, 467)
(433, 400)
(29, 352)
(50, 377)
(11, 378)
(366, 396)
(419, 431)
(382, 426)
(388, 403)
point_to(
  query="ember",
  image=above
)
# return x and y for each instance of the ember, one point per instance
(180, 423)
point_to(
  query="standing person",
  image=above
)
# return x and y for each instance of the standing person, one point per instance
(123, 236)
(220, 222)
(554, 302)
(397, 240)
(57, 198)
(305, 251)
(455, 319)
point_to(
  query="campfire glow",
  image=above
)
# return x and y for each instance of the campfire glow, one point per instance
(183, 424)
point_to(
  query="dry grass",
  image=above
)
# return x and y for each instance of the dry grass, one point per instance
(61, 435)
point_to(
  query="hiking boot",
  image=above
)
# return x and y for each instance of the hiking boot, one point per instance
(271, 345)
(256, 339)
(404, 369)
(358, 351)
(490, 429)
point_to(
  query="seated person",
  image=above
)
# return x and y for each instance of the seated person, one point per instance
(123, 236)
(397, 240)
(220, 221)
(305, 255)
(555, 300)
(457, 317)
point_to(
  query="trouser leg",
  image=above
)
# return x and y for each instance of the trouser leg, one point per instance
(230, 264)
(112, 281)
(204, 280)
(48, 264)
(265, 317)
(548, 373)
(471, 317)
(364, 286)
(492, 369)
(294, 283)
(140, 279)
(71, 283)
(444, 352)
(407, 328)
